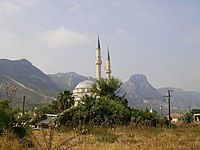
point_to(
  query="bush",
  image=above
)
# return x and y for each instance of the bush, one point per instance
(188, 117)
(100, 112)
(12, 121)
(4, 120)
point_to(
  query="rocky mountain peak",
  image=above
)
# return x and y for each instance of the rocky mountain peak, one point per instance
(137, 89)
(138, 78)
(24, 61)
(139, 81)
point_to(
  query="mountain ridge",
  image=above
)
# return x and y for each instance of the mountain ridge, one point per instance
(68, 80)
(42, 88)
(29, 80)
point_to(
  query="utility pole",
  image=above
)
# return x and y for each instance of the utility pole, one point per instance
(23, 105)
(169, 96)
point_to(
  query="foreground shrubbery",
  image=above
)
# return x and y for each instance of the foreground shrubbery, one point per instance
(106, 108)
(100, 112)
(107, 113)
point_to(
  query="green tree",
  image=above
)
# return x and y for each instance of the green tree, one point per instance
(188, 117)
(47, 109)
(110, 89)
(109, 112)
(102, 111)
(105, 87)
(65, 100)
(195, 111)
(4, 104)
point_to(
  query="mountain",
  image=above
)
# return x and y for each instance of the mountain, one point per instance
(139, 92)
(183, 99)
(138, 89)
(29, 80)
(68, 80)
(40, 88)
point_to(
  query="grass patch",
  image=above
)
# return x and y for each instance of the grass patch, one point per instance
(105, 135)
(194, 133)
(183, 137)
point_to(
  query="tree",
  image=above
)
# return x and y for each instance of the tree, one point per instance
(188, 117)
(105, 87)
(109, 112)
(102, 111)
(109, 88)
(4, 104)
(10, 92)
(195, 111)
(65, 100)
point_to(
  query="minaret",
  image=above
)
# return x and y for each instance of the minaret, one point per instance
(108, 68)
(98, 61)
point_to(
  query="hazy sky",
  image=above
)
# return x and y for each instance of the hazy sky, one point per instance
(158, 38)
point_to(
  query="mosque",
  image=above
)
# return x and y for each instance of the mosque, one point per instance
(85, 87)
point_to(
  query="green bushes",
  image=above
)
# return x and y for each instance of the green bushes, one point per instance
(11, 121)
(100, 112)
(4, 120)
(144, 117)
(188, 117)
(106, 112)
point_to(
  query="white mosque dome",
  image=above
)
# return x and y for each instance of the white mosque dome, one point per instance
(87, 84)
(82, 89)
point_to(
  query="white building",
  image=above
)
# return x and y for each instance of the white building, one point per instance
(82, 89)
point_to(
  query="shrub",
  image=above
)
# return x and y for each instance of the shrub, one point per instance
(188, 117)
(102, 111)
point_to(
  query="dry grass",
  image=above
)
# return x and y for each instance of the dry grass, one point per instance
(183, 137)
(8, 144)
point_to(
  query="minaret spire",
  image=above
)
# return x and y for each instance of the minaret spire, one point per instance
(98, 45)
(108, 67)
(98, 61)
(108, 54)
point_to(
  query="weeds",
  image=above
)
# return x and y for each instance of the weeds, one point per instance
(51, 139)
(181, 137)
(104, 135)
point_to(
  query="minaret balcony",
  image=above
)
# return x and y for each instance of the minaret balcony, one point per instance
(98, 62)
(108, 71)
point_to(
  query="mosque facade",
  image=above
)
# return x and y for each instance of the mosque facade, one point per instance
(85, 87)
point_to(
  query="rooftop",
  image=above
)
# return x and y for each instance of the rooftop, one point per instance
(85, 85)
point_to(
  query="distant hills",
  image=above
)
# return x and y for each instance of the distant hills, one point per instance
(68, 80)
(183, 99)
(40, 88)
(140, 93)
(29, 80)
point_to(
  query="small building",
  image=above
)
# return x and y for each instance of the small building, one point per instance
(175, 117)
(46, 119)
(196, 117)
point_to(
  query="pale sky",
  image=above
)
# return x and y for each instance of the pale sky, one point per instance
(158, 38)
